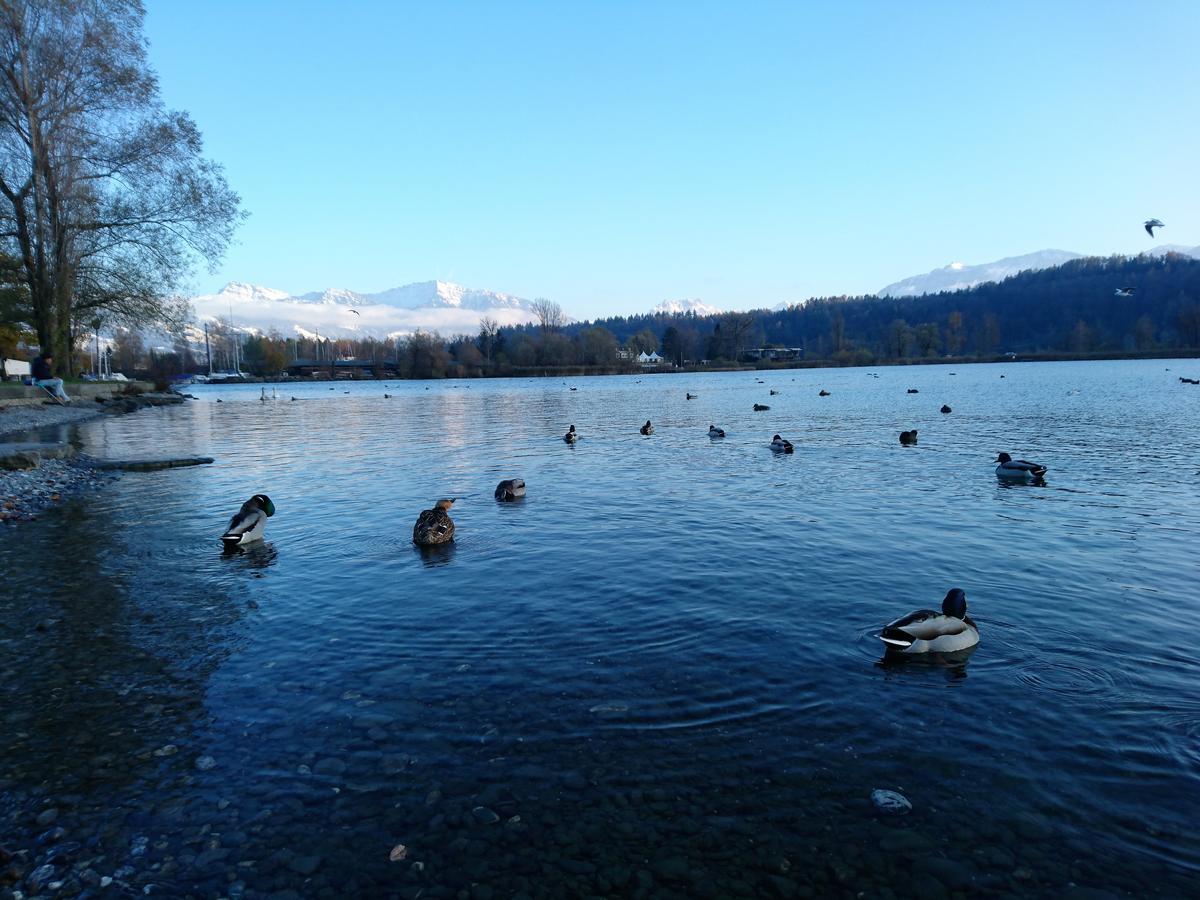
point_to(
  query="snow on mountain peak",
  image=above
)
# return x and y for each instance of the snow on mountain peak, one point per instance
(238, 291)
(959, 276)
(337, 312)
(683, 306)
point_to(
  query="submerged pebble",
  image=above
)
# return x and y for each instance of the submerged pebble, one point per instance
(890, 802)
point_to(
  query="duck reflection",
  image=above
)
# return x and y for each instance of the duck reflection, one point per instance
(256, 556)
(953, 665)
(435, 555)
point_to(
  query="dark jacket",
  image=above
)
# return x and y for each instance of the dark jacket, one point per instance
(40, 369)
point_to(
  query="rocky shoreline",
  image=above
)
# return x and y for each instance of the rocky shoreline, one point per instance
(29, 485)
(18, 419)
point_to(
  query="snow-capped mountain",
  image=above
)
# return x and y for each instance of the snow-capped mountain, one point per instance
(959, 276)
(1164, 249)
(445, 294)
(336, 312)
(679, 307)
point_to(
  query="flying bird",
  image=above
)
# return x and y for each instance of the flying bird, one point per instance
(1123, 292)
(1151, 224)
(356, 312)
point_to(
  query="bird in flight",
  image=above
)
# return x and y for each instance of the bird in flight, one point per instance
(356, 312)
(1151, 224)
(1123, 292)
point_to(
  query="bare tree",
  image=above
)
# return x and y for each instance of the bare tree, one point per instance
(488, 329)
(107, 200)
(550, 314)
(738, 327)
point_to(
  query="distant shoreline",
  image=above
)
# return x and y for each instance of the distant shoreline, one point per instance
(596, 371)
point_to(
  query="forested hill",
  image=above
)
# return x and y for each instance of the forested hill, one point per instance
(1071, 308)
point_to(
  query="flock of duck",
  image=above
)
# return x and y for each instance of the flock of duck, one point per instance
(923, 631)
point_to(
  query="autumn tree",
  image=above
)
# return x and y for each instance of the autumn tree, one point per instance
(927, 337)
(106, 199)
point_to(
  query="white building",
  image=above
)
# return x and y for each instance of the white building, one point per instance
(649, 359)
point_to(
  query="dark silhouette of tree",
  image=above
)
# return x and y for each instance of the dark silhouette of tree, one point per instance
(107, 199)
(672, 345)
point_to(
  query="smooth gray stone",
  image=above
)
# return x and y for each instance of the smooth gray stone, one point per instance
(151, 465)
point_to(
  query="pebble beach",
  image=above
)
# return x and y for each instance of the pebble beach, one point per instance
(25, 493)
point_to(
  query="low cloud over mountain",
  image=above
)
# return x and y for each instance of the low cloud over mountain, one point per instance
(426, 306)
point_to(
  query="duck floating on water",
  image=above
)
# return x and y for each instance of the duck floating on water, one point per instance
(434, 526)
(913, 391)
(761, 407)
(510, 489)
(823, 393)
(908, 438)
(647, 428)
(249, 522)
(779, 445)
(715, 432)
(571, 437)
(1019, 469)
(773, 392)
(946, 409)
(689, 396)
(926, 631)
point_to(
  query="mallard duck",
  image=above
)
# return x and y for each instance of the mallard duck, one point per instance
(647, 428)
(925, 631)
(761, 407)
(689, 396)
(249, 522)
(571, 437)
(434, 526)
(510, 489)
(1018, 469)
(773, 392)
(823, 393)
(908, 438)
(913, 391)
(946, 409)
(779, 445)
(715, 432)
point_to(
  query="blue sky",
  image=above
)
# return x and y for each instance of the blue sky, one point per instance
(612, 155)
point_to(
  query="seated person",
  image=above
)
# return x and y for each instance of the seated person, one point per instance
(43, 376)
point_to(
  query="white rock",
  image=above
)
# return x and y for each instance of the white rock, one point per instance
(891, 802)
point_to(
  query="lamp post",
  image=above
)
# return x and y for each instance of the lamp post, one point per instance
(96, 359)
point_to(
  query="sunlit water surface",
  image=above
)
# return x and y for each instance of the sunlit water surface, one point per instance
(659, 671)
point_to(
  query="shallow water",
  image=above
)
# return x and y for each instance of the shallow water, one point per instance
(659, 670)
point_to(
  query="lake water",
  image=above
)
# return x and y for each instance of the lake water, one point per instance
(656, 676)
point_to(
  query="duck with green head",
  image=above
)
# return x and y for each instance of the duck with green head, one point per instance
(249, 522)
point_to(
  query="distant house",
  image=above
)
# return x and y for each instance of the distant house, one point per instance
(342, 368)
(773, 354)
(649, 359)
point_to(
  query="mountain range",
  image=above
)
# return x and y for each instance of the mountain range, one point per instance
(959, 276)
(339, 313)
(450, 308)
